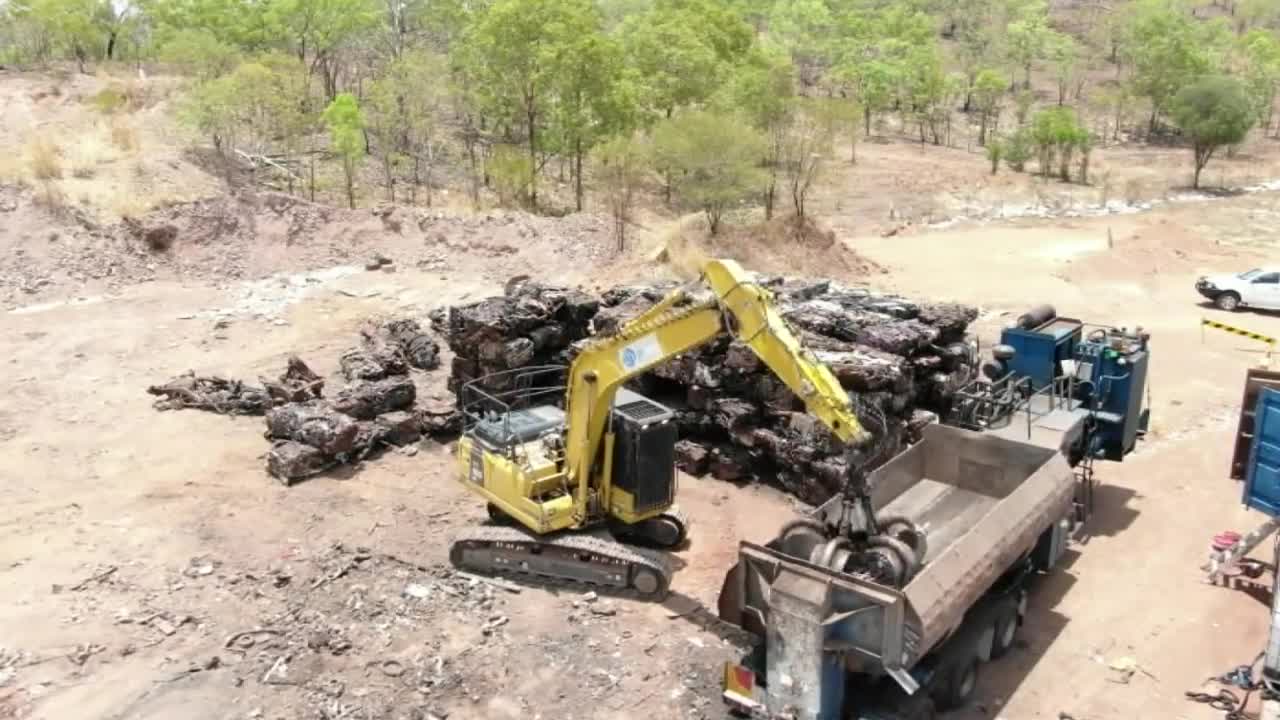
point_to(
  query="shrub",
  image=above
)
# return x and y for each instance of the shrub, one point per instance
(45, 159)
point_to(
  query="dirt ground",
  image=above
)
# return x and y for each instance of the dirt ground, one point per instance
(151, 569)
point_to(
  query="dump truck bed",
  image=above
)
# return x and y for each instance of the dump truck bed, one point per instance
(984, 502)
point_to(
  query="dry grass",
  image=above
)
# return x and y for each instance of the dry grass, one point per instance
(51, 196)
(44, 159)
(782, 245)
(123, 135)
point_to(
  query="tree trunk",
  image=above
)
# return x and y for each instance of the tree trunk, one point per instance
(349, 170)
(713, 219)
(770, 191)
(431, 164)
(982, 129)
(577, 172)
(531, 115)
(866, 119)
(312, 182)
(111, 45)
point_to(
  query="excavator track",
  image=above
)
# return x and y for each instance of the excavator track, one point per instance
(584, 559)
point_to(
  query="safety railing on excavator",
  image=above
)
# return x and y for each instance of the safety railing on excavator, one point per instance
(489, 400)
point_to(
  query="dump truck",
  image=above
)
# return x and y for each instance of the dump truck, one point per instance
(987, 500)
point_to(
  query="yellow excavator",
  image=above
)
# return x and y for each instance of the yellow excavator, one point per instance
(559, 454)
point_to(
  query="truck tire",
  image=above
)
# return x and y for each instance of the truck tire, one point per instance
(960, 685)
(1006, 631)
(1229, 301)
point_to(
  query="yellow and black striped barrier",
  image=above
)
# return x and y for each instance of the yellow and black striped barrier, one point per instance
(1267, 339)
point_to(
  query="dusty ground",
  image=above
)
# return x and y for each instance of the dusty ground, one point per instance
(136, 544)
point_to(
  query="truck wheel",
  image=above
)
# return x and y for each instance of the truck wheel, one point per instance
(960, 686)
(1228, 301)
(1006, 632)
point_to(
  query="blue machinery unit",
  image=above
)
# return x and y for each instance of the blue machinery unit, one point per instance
(1052, 370)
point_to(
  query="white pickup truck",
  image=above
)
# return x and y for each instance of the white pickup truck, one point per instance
(1258, 288)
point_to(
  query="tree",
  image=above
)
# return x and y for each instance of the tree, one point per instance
(199, 52)
(804, 28)
(1057, 134)
(676, 64)
(995, 150)
(1261, 58)
(621, 163)
(714, 158)
(511, 56)
(211, 109)
(762, 90)
(807, 141)
(1028, 38)
(988, 90)
(1066, 59)
(1213, 111)
(346, 136)
(1016, 149)
(593, 98)
(1168, 49)
(406, 108)
(71, 25)
(318, 29)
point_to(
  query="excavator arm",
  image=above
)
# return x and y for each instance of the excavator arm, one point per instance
(737, 305)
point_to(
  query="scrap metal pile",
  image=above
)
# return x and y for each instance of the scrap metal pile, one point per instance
(530, 325)
(310, 433)
(737, 421)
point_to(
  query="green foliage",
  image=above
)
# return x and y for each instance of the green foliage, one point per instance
(760, 88)
(713, 159)
(537, 63)
(995, 150)
(681, 51)
(109, 100)
(1260, 54)
(988, 91)
(1065, 58)
(199, 52)
(1016, 149)
(1169, 49)
(885, 56)
(1213, 111)
(803, 27)
(1028, 37)
(510, 169)
(406, 108)
(1057, 134)
(345, 122)
(620, 165)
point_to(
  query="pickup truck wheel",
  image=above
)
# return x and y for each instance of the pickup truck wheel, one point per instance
(960, 686)
(1229, 301)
